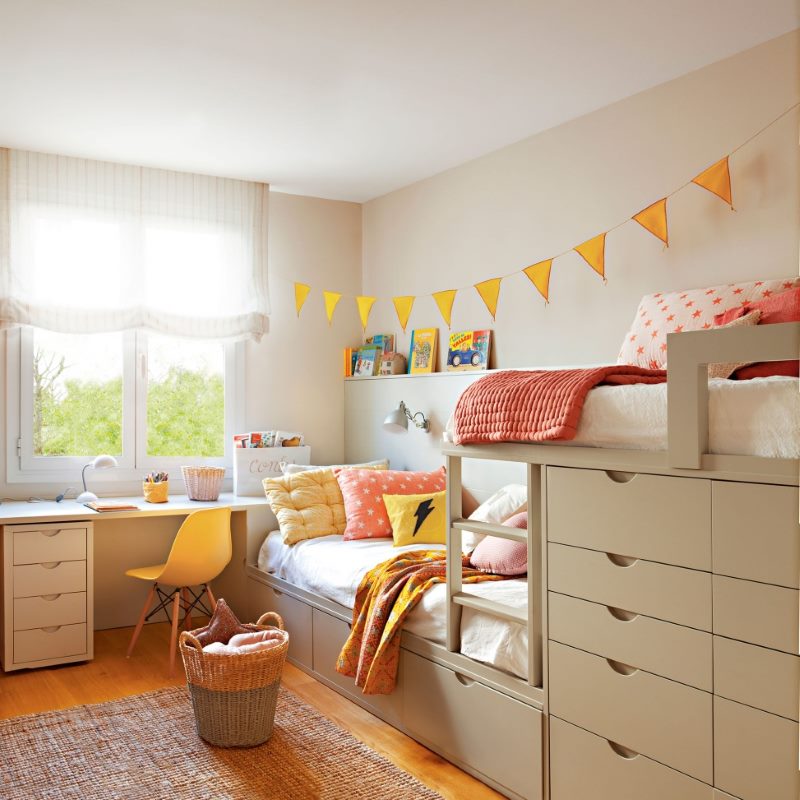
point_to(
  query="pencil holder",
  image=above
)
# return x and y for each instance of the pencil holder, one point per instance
(156, 492)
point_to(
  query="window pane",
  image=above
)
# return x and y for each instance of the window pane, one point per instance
(185, 398)
(77, 394)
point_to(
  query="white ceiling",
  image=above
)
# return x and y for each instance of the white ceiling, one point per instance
(345, 99)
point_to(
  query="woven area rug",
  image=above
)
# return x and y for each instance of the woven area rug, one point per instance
(146, 748)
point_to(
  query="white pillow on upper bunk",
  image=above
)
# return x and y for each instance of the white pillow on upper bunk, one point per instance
(502, 505)
(293, 469)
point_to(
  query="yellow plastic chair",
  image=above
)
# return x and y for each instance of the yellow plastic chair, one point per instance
(201, 550)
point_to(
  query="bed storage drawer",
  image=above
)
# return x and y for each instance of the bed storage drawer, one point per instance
(672, 651)
(296, 617)
(49, 543)
(755, 753)
(472, 724)
(659, 718)
(58, 577)
(669, 593)
(655, 517)
(49, 610)
(43, 644)
(583, 765)
(755, 532)
(756, 613)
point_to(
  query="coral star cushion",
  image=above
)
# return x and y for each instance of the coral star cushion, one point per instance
(417, 518)
(363, 490)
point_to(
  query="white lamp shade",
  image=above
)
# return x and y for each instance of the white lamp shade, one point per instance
(396, 421)
(104, 462)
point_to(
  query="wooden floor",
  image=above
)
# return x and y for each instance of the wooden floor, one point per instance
(111, 676)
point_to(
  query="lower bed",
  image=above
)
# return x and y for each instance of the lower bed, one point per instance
(332, 568)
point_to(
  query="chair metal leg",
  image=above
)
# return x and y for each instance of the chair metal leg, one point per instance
(173, 639)
(187, 609)
(142, 617)
(210, 597)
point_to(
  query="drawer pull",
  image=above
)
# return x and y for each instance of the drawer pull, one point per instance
(277, 593)
(622, 752)
(620, 477)
(51, 533)
(50, 564)
(50, 597)
(621, 614)
(620, 668)
(463, 679)
(51, 629)
(621, 561)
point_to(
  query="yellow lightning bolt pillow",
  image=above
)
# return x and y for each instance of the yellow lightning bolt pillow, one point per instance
(417, 518)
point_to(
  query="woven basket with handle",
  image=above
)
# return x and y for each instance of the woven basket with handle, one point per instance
(203, 483)
(234, 696)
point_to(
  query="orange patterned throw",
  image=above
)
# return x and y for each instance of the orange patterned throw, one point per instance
(385, 597)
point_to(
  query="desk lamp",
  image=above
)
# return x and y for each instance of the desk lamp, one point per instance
(101, 462)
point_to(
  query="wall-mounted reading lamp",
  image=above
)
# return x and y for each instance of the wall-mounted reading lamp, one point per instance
(397, 420)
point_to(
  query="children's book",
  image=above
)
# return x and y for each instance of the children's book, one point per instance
(368, 361)
(422, 357)
(383, 340)
(468, 351)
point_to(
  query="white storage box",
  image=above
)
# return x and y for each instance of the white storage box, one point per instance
(252, 464)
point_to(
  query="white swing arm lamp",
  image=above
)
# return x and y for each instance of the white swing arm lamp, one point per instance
(398, 419)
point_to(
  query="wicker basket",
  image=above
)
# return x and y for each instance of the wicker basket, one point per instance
(234, 696)
(203, 483)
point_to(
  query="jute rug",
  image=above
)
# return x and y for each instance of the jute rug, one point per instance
(146, 748)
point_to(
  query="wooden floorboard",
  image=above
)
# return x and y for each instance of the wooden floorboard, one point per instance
(110, 676)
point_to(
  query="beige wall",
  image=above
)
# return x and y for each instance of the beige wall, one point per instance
(552, 191)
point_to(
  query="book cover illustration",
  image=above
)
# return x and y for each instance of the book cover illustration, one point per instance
(383, 340)
(422, 357)
(468, 351)
(367, 361)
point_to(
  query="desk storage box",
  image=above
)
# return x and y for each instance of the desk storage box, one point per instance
(252, 464)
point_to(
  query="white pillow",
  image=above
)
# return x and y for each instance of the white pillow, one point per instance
(293, 469)
(504, 503)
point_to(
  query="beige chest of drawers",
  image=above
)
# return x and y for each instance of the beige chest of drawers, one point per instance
(673, 628)
(47, 596)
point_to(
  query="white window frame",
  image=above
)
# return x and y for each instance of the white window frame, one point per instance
(23, 467)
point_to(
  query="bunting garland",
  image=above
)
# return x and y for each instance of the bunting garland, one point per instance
(715, 179)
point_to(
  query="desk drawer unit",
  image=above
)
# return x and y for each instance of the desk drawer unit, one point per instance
(49, 610)
(56, 577)
(49, 644)
(49, 544)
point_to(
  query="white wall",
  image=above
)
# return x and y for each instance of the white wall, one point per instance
(552, 191)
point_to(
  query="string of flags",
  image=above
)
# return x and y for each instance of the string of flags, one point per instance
(716, 179)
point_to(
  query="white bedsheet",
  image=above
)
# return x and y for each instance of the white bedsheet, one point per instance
(333, 568)
(759, 417)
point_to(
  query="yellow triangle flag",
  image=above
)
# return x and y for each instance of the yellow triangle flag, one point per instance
(490, 292)
(717, 179)
(654, 219)
(539, 275)
(403, 306)
(331, 300)
(445, 302)
(301, 291)
(364, 307)
(593, 253)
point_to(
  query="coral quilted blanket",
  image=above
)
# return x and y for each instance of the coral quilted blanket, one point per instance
(535, 406)
(384, 599)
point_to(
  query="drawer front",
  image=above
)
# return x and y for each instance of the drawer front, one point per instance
(655, 517)
(758, 677)
(330, 634)
(756, 613)
(669, 593)
(33, 580)
(673, 651)
(756, 533)
(755, 753)
(659, 718)
(296, 618)
(49, 544)
(44, 644)
(471, 723)
(50, 610)
(583, 765)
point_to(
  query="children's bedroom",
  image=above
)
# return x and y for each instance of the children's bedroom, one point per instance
(400, 401)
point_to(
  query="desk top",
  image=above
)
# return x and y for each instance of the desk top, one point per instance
(21, 512)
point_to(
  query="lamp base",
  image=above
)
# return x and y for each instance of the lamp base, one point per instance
(86, 497)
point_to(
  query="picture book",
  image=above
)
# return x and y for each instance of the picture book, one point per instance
(468, 351)
(383, 340)
(422, 357)
(368, 361)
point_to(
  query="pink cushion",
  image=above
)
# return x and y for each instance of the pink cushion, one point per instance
(645, 344)
(363, 490)
(502, 556)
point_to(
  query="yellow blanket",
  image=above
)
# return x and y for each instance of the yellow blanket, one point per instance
(385, 596)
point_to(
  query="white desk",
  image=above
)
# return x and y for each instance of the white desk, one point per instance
(70, 542)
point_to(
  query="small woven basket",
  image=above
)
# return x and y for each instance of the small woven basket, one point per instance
(234, 696)
(203, 483)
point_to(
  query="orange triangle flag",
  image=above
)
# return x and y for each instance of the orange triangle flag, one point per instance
(445, 302)
(539, 275)
(490, 292)
(593, 253)
(331, 300)
(654, 219)
(717, 179)
(301, 291)
(364, 307)
(403, 306)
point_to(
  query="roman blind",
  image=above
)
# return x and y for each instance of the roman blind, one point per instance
(91, 246)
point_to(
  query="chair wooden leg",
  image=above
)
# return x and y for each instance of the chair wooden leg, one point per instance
(173, 639)
(187, 614)
(211, 599)
(142, 616)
